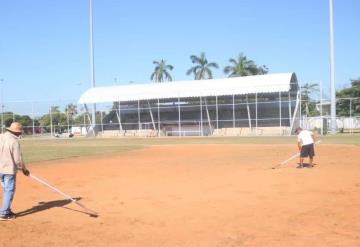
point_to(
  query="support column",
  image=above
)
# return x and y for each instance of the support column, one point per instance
(179, 109)
(351, 125)
(217, 112)
(51, 124)
(248, 112)
(201, 118)
(295, 112)
(208, 114)
(101, 121)
(119, 118)
(321, 108)
(289, 97)
(280, 113)
(300, 108)
(151, 115)
(68, 121)
(256, 113)
(233, 111)
(139, 122)
(33, 118)
(159, 118)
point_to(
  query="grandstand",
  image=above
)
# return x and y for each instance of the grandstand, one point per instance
(238, 106)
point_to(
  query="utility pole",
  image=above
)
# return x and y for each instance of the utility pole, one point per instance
(332, 70)
(93, 118)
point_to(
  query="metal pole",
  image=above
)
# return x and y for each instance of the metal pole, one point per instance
(68, 122)
(201, 118)
(280, 113)
(332, 70)
(256, 113)
(93, 117)
(33, 117)
(351, 117)
(84, 121)
(120, 125)
(233, 111)
(289, 104)
(139, 114)
(248, 112)
(300, 108)
(51, 125)
(321, 108)
(158, 118)
(217, 112)
(101, 120)
(179, 116)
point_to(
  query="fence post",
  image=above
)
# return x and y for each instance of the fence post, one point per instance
(321, 108)
(280, 127)
(256, 113)
(300, 108)
(351, 125)
(179, 109)
(51, 124)
(33, 118)
(201, 118)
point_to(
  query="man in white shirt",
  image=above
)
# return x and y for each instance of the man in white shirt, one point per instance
(306, 142)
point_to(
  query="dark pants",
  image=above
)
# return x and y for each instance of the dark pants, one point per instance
(307, 150)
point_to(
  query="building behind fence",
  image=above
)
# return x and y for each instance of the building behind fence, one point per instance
(254, 113)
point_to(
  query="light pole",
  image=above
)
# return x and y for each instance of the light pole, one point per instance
(93, 119)
(332, 70)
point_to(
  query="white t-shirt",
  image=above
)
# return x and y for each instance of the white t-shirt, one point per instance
(305, 137)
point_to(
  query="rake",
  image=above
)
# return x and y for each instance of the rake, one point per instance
(90, 212)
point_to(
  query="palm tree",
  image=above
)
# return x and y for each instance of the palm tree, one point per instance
(244, 67)
(71, 110)
(161, 73)
(308, 107)
(202, 68)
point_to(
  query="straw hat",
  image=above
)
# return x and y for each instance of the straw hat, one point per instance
(15, 127)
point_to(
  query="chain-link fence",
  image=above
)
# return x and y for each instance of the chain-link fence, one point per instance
(235, 115)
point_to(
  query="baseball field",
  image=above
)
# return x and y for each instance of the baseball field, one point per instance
(187, 192)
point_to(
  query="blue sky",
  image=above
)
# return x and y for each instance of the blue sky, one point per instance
(44, 44)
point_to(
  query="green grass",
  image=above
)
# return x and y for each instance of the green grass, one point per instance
(38, 150)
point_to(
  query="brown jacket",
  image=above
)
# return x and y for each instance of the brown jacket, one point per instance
(10, 154)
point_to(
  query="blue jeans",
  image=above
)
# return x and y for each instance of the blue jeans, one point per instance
(8, 182)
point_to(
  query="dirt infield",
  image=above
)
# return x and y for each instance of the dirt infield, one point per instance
(193, 195)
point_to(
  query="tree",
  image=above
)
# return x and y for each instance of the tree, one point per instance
(308, 105)
(244, 67)
(161, 73)
(55, 118)
(343, 105)
(71, 111)
(202, 68)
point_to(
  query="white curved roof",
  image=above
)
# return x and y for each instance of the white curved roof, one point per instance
(215, 87)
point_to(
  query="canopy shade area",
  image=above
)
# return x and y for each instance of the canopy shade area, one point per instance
(270, 83)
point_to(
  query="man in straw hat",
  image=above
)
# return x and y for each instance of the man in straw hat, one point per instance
(10, 161)
(306, 142)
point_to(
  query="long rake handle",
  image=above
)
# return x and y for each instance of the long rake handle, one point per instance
(61, 193)
(292, 157)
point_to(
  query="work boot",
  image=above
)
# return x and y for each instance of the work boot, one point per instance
(7, 217)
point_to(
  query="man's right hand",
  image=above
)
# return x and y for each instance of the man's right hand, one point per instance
(26, 172)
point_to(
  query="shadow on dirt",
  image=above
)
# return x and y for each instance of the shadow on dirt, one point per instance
(42, 206)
